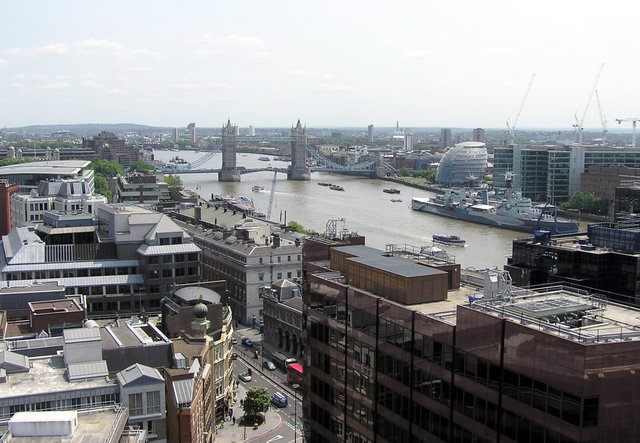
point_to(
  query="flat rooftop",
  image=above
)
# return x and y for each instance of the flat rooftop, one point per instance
(567, 313)
(47, 375)
(52, 167)
(93, 425)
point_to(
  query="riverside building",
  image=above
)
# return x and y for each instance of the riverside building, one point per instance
(391, 356)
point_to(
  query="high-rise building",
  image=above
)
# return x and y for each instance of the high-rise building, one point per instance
(408, 141)
(479, 135)
(370, 133)
(424, 364)
(445, 137)
(175, 134)
(252, 131)
(192, 132)
(6, 190)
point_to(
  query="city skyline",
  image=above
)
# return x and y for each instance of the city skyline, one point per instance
(329, 64)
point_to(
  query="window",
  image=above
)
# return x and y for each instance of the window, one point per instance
(279, 259)
(260, 260)
(279, 275)
(288, 258)
(153, 402)
(288, 274)
(260, 276)
(135, 404)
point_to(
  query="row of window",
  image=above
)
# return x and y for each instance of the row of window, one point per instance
(61, 404)
(70, 273)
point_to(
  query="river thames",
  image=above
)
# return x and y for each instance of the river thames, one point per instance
(366, 209)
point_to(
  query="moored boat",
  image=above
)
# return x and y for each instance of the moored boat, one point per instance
(257, 188)
(511, 212)
(336, 187)
(264, 158)
(324, 184)
(451, 240)
(391, 191)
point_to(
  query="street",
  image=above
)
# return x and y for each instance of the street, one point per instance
(273, 381)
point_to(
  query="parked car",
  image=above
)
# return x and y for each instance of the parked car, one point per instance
(245, 377)
(248, 343)
(269, 365)
(234, 355)
(234, 341)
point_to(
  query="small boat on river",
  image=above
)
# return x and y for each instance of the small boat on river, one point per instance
(391, 191)
(450, 240)
(336, 187)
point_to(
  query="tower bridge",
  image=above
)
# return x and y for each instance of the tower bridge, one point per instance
(301, 152)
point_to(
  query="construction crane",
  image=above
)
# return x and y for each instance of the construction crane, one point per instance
(273, 189)
(603, 120)
(579, 123)
(511, 130)
(633, 121)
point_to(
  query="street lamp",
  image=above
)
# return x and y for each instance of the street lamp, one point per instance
(295, 412)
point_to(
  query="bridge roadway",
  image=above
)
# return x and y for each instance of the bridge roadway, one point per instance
(354, 172)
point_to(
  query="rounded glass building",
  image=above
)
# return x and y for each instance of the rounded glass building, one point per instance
(465, 162)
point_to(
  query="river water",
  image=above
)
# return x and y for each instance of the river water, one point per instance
(366, 209)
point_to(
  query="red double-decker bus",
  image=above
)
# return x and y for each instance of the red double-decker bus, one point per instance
(294, 374)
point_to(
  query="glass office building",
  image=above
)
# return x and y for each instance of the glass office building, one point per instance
(463, 163)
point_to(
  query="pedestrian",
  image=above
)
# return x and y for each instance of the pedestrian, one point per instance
(234, 419)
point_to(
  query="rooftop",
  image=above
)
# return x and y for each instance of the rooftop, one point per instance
(378, 259)
(47, 375)
(52, 167)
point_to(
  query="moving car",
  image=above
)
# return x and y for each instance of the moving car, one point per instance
(279, 399)
(234, 355)
(245, 377)
(234, 341)
(269, 365)
(248, 343)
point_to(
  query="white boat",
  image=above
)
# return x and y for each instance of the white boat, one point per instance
(257, 188)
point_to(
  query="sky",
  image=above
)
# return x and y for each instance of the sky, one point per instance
(328, 63)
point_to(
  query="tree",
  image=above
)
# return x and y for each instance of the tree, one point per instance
(101, 186)
(403, 172)
(588, 203)
(173, 180)
(256, 401)
(141, 166)
(106, 168)
(299, 228)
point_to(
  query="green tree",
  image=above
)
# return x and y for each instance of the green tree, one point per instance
(256, 401)
(403, 172)
(299, 228)
(173, 180)
(141, 166)
(585, 202)
(101, 186)
(106, 168)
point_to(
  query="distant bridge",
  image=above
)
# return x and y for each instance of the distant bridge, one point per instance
(370, 166)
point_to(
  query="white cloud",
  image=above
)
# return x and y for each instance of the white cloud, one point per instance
(295, 73)
(261, 54)
(416, 55)
(183, 86)
(115, 91)
(217, 85)
(52, 49)
(18, 77)
(210, 44)
(54, 85)
(87, 48)
(91, 84)
(333, 87)
(3, 62)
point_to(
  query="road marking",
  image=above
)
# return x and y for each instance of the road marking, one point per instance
(277, 437)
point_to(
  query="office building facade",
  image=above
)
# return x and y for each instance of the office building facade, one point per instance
(389, 365)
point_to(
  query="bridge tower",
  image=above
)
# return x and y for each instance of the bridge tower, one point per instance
(229, 173)
(299, 169)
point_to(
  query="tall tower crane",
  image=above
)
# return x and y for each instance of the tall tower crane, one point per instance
(579, 123)
(633, 121)
(603, 120)
(511, 130)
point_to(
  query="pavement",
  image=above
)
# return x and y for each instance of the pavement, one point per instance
(229, 432)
